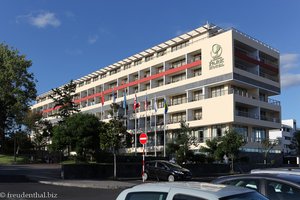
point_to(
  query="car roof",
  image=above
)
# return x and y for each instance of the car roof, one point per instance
(295, 171)
(196, 188)
(278, 176)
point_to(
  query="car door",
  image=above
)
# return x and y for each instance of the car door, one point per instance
(277, 190)
(161, 171)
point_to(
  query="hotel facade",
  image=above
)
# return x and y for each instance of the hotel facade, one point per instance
(211, 78)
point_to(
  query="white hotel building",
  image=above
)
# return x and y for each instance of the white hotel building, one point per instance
(213, 79)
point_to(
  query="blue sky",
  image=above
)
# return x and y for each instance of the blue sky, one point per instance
(67, 39)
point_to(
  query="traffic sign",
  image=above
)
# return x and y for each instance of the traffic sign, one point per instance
(143, 138)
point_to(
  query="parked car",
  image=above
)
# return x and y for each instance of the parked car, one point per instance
(188, 191)
(275, 186)
(164, 170)
(288, 170)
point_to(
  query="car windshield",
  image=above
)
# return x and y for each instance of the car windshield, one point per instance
(146, 196)
(245, 196)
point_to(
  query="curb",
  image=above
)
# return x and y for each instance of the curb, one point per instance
(91, 184)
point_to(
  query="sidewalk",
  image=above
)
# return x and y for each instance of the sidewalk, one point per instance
(101, 184)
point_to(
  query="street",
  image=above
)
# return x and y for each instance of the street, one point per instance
(43, 191)
(21, 182)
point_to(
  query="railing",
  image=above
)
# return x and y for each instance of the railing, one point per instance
(246, 114)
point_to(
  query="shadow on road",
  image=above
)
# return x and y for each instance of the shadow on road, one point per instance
(14, 179)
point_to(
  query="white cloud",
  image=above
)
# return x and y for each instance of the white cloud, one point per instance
(290, 61)
(289, 80)
(41, 19)
(93, 39)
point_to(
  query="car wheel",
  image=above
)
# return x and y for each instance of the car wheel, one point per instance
(171, 178)
(145, 176)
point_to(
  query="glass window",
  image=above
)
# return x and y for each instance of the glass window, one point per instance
(217, 91)
(186, 197)
(258, 134)
(146, 196)
(198, 114)
(245, 196)
(278, 190)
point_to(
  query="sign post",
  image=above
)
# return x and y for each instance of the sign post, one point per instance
(143, 140)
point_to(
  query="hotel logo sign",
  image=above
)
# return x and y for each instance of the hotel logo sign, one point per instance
(216, 55)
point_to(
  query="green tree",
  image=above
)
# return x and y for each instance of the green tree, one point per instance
(230, 144)
(267, 146)
(111, 139)
(17, 89)
(180, 148)
(40, 129)
(63, 100)
(295, 143)
(80, 133)
(212, 148)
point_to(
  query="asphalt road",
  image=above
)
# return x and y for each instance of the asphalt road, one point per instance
(16, 182)
(31, 190)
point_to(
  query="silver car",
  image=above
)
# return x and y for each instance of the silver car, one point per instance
(188, 191)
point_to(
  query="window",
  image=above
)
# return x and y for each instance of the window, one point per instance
(278, 190)
(147, 73)
(196, 57)
(240, 91)
(242, 130)
(179, 99)
(178, 117)
(88, 81)
(198, 114)
(147, 86)
(160, 82)
(178, 77)
(217, 91)
(95, 78)
(146, 196)
(197, 72)
(218, 131)
(178, 63)
(81, 84)
(148, 58)
(186, 197)
(161, 53)
(160, 103)
(258, 134)
(160, 69)
(127, 66)
(137, 62)
(198, 95)
(180, 45)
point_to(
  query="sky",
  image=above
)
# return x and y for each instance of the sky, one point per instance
(68, 39)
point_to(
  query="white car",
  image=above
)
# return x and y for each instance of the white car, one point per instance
(188, 191)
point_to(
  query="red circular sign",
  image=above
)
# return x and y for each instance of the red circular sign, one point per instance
(143, 138)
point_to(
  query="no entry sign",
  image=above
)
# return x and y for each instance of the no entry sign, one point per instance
(143, 138)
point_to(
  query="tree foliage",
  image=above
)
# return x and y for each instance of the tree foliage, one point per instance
(212, 148)
(111, 137)
(267, 146)
(17, 88)
(40, 128)
(295, 144)
(183, 141)
(228, 145)
(63, 100)
(79, 132)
